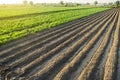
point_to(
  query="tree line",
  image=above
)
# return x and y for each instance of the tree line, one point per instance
(25, 2)
(116, 4)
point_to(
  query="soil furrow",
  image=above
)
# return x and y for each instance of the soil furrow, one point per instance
(83, 49)
(89, 70)
(68, 53)
(33, 41)
(11, 58)
(19, 62)
(100, 67)
(52, 52)
(69, 67)
(111, 63)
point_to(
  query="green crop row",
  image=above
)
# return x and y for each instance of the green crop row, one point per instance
(16, 28)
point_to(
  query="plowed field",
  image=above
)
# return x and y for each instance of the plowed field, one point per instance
(85, 49)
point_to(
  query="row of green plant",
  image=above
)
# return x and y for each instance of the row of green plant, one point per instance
(16, 28)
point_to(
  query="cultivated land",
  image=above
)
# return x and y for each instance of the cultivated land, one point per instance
(14, 26)
(84, 49)
(20, 10)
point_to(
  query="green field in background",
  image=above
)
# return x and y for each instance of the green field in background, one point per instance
(6, 11)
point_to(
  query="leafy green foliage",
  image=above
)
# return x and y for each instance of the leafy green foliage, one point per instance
(61, 3)
(19, 27)
(95, 2)
(117, 3)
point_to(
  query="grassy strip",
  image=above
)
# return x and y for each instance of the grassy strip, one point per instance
(8, 11)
